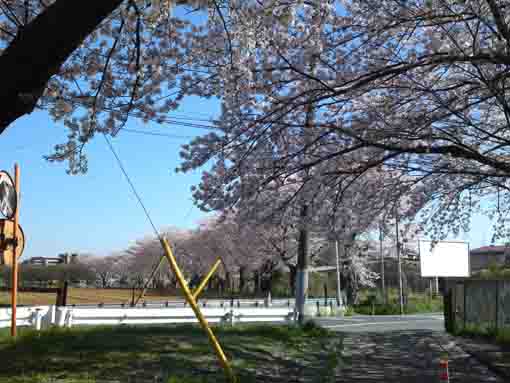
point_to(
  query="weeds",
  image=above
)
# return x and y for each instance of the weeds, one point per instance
(373, 304)
(486, 330)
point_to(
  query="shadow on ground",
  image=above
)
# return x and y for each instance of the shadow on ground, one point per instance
(155, 354)
(259, 354)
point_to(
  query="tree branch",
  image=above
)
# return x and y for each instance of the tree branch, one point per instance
(40, 48)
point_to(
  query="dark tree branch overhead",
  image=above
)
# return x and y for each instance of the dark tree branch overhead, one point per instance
(41, 47)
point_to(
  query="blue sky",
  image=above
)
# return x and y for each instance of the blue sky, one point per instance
(96, 212)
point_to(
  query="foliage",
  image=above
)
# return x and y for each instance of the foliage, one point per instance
(351, 110)
(503, 336)
(373, 304)
(349, 311)
(44, 274)
(498, 272)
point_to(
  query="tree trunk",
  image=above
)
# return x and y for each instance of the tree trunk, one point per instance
(292, 279)
(39, 50)
(256, 282)
(104, 281)
(302, 266)
(242, 278)
(269, 284)
(221, 286)
(228, 282)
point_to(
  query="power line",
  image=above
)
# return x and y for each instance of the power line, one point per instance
(178, 121)
(133, 189)
(159, 134)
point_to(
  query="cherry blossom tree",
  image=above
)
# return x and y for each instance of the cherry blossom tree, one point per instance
(143, 255)
(409, 92)
(105, 268)
(93, 64)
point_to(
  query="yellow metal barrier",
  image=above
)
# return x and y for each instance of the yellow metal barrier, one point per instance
(145, 288)
(192, 302)
(202, 284)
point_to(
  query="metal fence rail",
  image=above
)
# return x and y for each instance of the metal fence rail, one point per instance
(204, 302)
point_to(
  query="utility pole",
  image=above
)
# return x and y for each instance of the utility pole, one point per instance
(383, 282)
(303, 246)
(338, 284)
(401, 295)
(302, 265)
(14, 292)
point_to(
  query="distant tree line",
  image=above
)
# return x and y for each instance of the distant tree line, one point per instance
(37, 275)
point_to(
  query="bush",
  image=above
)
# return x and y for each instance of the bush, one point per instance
(494, 271)
(416, 304)
(349, 311)
(503, 335)
(380, 309)
(486, 330)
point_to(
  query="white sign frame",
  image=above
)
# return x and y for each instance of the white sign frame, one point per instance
(446, 259)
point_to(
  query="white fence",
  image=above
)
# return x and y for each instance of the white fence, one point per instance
(25, 316)
(45, 316)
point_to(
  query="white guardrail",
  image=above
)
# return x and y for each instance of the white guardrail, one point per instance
(45, 316)
(222, 303)
(25, 316)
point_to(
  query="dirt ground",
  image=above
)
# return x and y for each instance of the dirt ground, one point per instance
(81, 296)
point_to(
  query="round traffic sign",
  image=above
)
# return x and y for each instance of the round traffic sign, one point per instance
(8, 197)
(7, 243)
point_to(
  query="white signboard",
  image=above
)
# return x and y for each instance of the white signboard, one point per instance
(445, 259)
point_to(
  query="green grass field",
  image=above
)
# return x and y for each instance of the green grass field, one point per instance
(171, 354)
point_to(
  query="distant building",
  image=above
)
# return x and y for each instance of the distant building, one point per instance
(484, 256)
(62, 259)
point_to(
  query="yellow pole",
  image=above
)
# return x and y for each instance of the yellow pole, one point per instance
(192, 302)
(14, 292)
(142, 294)
(202, 285)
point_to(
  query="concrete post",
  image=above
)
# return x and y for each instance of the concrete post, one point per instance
(401, 293)
(38, 319)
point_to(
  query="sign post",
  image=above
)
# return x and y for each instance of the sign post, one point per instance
(14, 295)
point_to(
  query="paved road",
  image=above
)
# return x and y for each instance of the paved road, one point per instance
(384, 323)
(394, 349)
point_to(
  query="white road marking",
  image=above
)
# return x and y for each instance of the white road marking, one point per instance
(370, 323)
